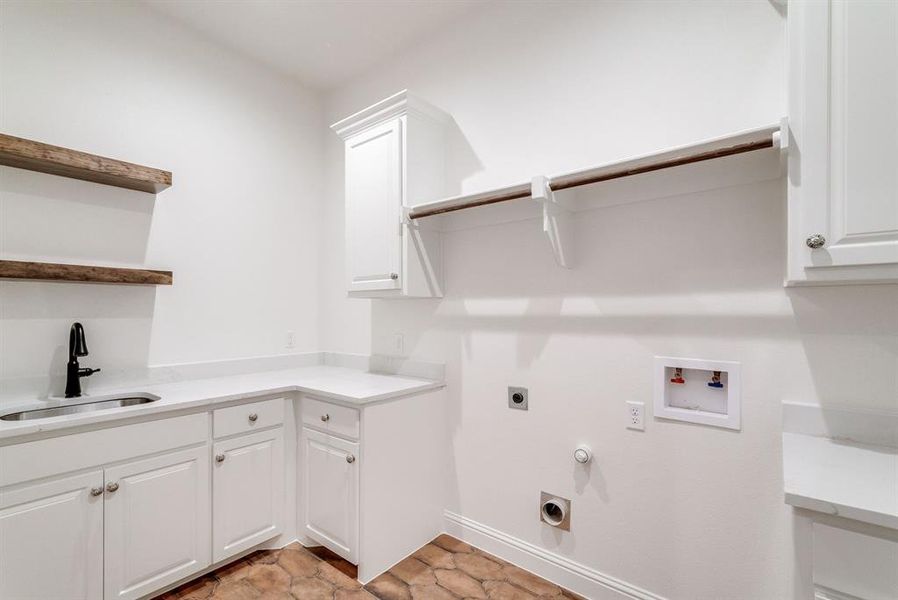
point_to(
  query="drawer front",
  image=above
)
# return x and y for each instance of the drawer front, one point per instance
(44, 458)
(331, 418)
(247, 417)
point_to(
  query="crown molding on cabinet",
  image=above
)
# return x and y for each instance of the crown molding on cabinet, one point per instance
(398, 104)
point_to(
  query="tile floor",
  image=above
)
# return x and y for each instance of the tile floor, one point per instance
(444, 569)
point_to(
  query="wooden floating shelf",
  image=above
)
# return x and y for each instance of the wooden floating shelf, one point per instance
(14, 269)
(55, 160)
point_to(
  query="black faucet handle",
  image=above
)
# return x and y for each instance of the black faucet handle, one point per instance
(77, 341)
(87, 372)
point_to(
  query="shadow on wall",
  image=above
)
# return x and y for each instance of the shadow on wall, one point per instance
(47, 217)
(706, 265)
(462, 161)
(56, 219)
(850, 339)
(698, 274)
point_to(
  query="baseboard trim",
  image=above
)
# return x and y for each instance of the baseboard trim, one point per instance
(569, 574)
(825, 593)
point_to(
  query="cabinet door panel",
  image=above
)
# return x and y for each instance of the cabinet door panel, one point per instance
(843, 179)
(157, 522)
(248, 492)
(864, 132)
(373, 205)
(331, 493)
(51, 540)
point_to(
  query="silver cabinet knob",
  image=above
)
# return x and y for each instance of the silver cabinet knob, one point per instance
(96, 491)
(350, 458)
(253, 417)
(394, 276)
(219, 458)
(111, 487)
(815, 241)
(325, 418)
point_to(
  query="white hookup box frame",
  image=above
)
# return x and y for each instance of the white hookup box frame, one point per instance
(694, 400)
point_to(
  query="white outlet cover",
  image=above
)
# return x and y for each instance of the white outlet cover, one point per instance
(635, 415)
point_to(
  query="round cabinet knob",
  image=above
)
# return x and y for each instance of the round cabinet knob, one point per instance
(253, 417)
(111, 487)
(815, 241)
(219, 458)
(394, 276)
(325, 418)
(96, 491)
(350, 458)
(582, 455)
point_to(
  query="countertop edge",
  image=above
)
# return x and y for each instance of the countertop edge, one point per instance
(802, 494)
(162, 407)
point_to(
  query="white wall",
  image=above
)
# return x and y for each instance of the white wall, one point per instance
(682, 511)
(238, 227)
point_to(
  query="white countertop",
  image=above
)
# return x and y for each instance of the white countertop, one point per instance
(855, 481)
(344, 385)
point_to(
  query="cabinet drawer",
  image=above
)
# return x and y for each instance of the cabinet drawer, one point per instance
(332, 418)
(44, 458)
(247, 417)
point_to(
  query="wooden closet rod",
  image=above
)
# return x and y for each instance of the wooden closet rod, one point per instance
(585, 177)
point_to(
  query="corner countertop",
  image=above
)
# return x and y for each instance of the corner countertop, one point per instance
(855, 481)
(343, 385)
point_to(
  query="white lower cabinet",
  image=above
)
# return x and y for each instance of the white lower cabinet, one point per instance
(247, 491)
(156, 522)
(121, 513)
(51, 539)
(359, 465)
(331, 497)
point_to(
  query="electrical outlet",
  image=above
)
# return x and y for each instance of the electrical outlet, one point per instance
(398, 343)
(636, 415)
(517, 398)
(290, 342)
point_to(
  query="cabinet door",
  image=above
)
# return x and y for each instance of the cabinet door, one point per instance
(843, 171)
(373, 208)
(247, 491)
(331, 492)
(157, 522)
(51, 539)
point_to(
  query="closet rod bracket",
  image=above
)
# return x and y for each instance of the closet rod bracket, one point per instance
(557, 221)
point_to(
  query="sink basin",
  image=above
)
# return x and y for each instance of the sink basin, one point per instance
(103, 403)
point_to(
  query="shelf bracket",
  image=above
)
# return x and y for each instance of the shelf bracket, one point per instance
(781, 139)
(557, 221)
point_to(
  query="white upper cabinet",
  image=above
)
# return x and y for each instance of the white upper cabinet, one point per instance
(394, 160)
(843, 165)
(373, 199)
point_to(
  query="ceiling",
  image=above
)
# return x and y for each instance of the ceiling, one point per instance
(322, 43)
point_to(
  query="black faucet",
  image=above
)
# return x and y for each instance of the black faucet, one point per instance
(73, 374)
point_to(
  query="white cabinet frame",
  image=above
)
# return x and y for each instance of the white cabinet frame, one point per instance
(843, 183)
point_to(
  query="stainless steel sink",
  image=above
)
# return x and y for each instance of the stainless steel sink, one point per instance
(95, 404)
